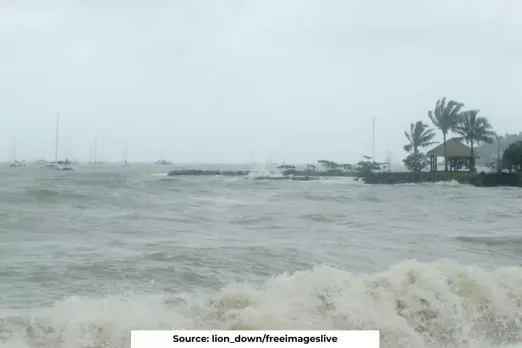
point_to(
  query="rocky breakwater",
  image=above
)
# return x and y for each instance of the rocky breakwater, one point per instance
(289, 172)
(197, 172)
(497, 179)
(319, 173)
(480, 180)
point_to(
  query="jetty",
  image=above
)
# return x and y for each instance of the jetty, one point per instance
(286, 173)
(240, 173)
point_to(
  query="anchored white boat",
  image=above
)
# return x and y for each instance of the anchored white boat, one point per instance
(161, 160)
(94, 153)
(15, 162)
(59, 165)
(124, 162)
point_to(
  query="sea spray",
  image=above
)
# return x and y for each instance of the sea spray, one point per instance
(439, 304)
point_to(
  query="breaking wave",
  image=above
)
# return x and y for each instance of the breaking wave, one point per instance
(448, 183)
(440, 304)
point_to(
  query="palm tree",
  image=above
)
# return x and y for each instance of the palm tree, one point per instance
(474, 129)
(420, 135)
(446, 117)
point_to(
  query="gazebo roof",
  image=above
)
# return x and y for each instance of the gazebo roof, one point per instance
(454, 148)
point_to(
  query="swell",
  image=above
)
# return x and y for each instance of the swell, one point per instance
(92, 187)
(514, 241)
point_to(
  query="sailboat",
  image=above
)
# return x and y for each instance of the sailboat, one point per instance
(95, 153)
(162, 161)
(124, 162)
(59, 165)
(15, 162)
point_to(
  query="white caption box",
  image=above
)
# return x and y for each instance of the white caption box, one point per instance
(253, 338)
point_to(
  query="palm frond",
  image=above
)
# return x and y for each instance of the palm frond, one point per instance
(408, 136)
(429, 144)
(427, 136)
(474, 128)
(446, 115)
(420, 135)
(433, 118)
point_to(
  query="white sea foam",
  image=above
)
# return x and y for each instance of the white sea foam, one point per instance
(440, 304)
(448, 183)
(265, 171)
(159, 174)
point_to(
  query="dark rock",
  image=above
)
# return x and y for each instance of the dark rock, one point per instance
(480, 180)
(499, 179)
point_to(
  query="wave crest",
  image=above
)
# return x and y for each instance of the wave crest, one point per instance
(440, 304)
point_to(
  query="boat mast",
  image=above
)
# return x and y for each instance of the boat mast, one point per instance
(125, 152)
(14, 148)
(95, 151)
(373, 140)
(56, 140)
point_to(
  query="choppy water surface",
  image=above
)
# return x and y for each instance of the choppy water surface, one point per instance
(87, 256)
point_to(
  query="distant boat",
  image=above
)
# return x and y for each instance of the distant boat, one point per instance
(40, 162)
(65, 165)
(15, 162)
(59, 165)
(95, 153)
(162, 161)
(124, 162)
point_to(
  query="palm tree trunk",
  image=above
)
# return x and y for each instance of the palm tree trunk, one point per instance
(416, 159)
(445, 154)
(472, 159)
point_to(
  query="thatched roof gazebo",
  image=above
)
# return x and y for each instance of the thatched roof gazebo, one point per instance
(454, 150)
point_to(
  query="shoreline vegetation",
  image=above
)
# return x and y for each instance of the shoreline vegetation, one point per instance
(473, 141)
(324, 168)
(459, 159)
(493, 179)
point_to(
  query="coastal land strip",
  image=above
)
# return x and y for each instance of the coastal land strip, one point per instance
(481, 179)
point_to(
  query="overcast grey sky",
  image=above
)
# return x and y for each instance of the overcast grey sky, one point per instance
(238, 80)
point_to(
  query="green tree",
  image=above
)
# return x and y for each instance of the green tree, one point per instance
(347, 167)
(415, 162)
(512, 157)
(329, 166)
(366, 166)
(311, 168)
(474, 130)
(420, 135)
(445, 117)
(487, 151)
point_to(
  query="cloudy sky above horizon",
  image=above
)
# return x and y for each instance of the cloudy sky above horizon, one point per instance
(257, 80)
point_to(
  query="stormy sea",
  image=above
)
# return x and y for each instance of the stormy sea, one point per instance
(88, 255)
